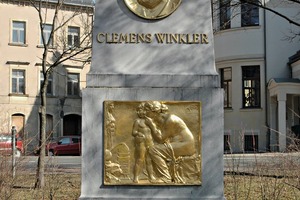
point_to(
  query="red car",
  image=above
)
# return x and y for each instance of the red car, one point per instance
(65, 145)
(6, 145)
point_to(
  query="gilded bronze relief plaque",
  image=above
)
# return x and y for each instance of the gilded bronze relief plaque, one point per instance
(152, 143)
(152, 9)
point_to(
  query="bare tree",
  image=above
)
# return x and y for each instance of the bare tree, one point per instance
(56, 51)
(221, 10)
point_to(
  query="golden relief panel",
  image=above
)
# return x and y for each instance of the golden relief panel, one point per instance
(152, 143)
(152, 9)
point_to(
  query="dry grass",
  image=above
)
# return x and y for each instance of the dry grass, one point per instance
(277, 178)
(254, 187)
(67, 187)
(58, 186)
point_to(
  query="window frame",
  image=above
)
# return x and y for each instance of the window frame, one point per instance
(225, 14)
(74, 83)
(19, 30)
(18, 90)
(227, 86)
(249, 15)
(71, 38)
(50, 83)
(254, 80)
(251, 143)
(47, 36)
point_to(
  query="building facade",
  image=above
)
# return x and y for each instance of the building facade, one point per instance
(21, 51)
(256, 56)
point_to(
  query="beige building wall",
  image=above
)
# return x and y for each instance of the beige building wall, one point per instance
(27, 57)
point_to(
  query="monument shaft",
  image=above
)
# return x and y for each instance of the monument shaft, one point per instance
(152, 74)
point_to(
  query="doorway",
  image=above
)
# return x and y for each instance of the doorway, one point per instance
(72, 125)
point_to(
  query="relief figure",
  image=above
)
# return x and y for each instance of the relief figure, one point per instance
(142, 141)
(110, 126)
(113, 170)
(152, 143)
(173, 140)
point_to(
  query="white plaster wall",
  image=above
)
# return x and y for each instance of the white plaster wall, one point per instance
(237, 119)
(239, 43)
(239, 46)
(279, 49)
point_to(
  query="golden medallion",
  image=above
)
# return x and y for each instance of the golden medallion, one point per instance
(152, 143)
(152, 9)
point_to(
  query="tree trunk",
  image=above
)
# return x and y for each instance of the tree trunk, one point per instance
(40, 182)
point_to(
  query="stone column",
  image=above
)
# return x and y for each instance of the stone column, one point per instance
(282, 121)
(273, 124)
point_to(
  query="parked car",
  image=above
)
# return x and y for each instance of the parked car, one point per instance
(65, 145)
(6, 145)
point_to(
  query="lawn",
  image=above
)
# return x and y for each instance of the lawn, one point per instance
(275, 179)
(58, 186)
(258, 187)
(67, 187)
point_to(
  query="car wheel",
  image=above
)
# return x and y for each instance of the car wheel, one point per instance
(18, 153)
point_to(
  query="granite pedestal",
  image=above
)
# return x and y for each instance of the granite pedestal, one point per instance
(152, 71)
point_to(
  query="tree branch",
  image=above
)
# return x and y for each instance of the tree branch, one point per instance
(260, 5)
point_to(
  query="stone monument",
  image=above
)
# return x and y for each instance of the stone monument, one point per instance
(153, 109)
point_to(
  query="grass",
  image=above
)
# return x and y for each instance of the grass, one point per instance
(58, 186)
(278, 179)
(67, 187)
(256, 187)
(270, 177)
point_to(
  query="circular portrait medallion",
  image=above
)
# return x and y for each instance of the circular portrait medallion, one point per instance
(152, 9)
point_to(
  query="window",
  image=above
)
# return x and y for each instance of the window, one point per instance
(226, 84)
(75, 140)
(64, 141)
(18, 81)
(73, 36)
(227, 146)
(225, 14)
(250, 14)
(50, 83)
(251, 143)
(73, 84)
(18, 32)
(47, 28)
(251, 86)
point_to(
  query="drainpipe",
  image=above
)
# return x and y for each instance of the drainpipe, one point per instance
(266, 81)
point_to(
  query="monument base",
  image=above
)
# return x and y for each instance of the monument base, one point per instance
(211, 99)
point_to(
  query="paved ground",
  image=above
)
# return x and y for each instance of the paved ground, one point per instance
(57, 164)
(232, 162)
(252, 162)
